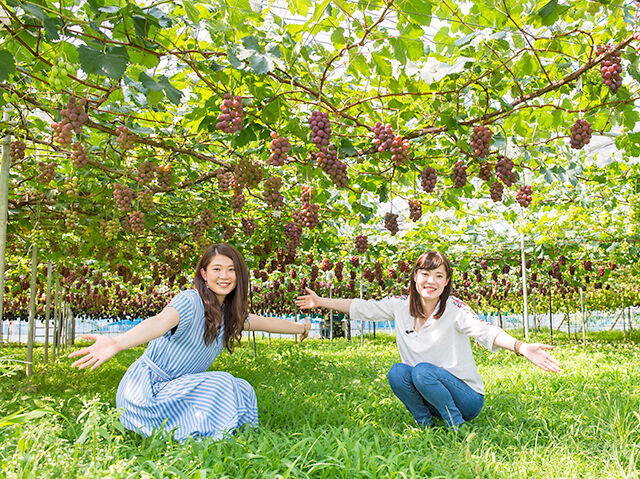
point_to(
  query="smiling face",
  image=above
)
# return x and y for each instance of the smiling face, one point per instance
(430, 283)
(220, 276)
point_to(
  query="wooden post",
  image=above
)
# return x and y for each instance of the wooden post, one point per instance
(32, 309)
(361, 321)
(56, 315)
(584, 319)
(331, 316)
(47, 314)
(4, 209)
(525, 308)
(550, 313)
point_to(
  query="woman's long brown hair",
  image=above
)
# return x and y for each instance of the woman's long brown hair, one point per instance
(236, 305)
(429, 261)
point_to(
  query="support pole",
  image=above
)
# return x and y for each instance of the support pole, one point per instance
(4, 209)
(361, 321)
(330, 316)
(584, 320)
(550, 313)
(32, 309)
(56, 315)
(525, 307)
(47, 315)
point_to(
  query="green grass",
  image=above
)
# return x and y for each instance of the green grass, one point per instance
(327, 412)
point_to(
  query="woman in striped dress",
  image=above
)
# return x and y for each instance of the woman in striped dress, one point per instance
(169, 387)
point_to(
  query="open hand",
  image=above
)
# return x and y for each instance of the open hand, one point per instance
(538, 355)
(308, 301)
(102, 350)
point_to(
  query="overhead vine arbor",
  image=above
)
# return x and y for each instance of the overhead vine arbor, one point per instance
(143, 130)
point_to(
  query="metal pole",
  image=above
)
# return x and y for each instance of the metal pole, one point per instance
(56, 315)
(361, 321)
(330, 316)
(47, 314)
(584, 322)
(550, 313)
(32, 308)
(525, 308)
(4, 208)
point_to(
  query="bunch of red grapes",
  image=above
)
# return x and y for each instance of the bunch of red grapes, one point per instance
(399, 150)
(248, 226)
(523, 196)
(580, 134)
(428, 179)
(326, 264)
(382, 136)
(164, 177)
(504, 171)
(355, 261)
(338, 269)
(272, 194)
(125, 139)
(332, 166)
(459, 175)
(279, 149)
(47, 172)
(224, 180)
(229, 232)
(79, 155)
(293, 233)
(415, 209)
(75, 114)
(207, 216)
(495, 190)
(237, 201)
(610, 69)
(391, 223)
(230, 120)
(123, 196)
(136, 221)
(362, 243)
(146, 172)
(17, 149)
(247, 174)
(62, 132)
(480, 141)
(485, 171)
(320, 128)
(307, 214)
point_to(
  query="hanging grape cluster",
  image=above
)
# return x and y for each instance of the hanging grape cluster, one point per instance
(164, 177)
(16, 150)
(237, 201)
(79, 155)
(391, 223)
(230, 120)
(459, 175)
(125, 139)
(495, 190)
(382, 136)
(480, 141)
(326, 264)
(307, 214)
(415, 209)
(320, 128)
(505, 172)
(62, 133)
(610, 69)
(75, 114)
(59, 74)
(523, 196)
(293, 233)
(580, 134)
(123, 196)
(224, 180)
(136, 221)
(332, 166)
(247, 174)
(146, 172)
(279, 149)
(145, 200)
(428, 179)
(71, 219)
(272, 194)
(485, 171)
(229, 232)
(248, 226)
(47, 172)
(110, 228)
(362, 244)
(399, 150)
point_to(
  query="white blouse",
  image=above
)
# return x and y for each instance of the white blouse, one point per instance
(443, 342)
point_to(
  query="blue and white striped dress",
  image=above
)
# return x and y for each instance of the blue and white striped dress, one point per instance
(169, 386)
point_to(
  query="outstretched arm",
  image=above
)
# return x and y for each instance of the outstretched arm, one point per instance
(277, 325)
(105, 347)
(534, 352)
(312, 300)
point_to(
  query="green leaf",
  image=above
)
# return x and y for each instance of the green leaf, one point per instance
(7, 65)
(192, 11)
(271, 112)
(383, 65)
(112, 64)
(173, 94)
(547, 9)
(260, 64)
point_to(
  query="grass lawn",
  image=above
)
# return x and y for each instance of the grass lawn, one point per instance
(327, 412)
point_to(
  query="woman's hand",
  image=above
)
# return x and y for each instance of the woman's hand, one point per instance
(308, 301)
(307, 329)
(102, 350)
(538, 355)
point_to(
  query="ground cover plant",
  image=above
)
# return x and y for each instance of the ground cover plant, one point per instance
(326, 411)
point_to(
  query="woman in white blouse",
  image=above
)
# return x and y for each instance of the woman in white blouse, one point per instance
(438, 375)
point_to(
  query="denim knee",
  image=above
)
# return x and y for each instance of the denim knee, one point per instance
(422, 372)
(399, 375)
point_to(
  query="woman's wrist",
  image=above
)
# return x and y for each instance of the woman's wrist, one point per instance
(517, 346)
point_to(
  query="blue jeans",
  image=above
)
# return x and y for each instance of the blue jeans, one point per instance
(428, 390)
